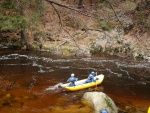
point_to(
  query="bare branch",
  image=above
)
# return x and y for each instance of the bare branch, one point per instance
(115, 13)
(57, 14)
(72, 38)
(74, 9)
(62, 25)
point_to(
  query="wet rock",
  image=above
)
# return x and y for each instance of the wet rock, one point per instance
(17, 99)
(26, 97)
(8, 95)
(130, 109)
(99, 101)
(5, 102)
(6, 84)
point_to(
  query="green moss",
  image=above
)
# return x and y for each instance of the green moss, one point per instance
(68, 49)
(109, 104)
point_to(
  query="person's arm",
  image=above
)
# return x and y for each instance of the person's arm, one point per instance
(93, 79)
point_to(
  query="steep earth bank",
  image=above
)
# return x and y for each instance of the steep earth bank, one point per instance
(79, 32)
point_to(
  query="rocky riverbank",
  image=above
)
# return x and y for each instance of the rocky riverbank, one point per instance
(93, 42)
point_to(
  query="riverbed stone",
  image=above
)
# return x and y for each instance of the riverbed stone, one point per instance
(99, 101)
(8, 95)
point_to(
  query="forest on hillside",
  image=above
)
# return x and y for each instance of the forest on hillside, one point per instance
(33, 23)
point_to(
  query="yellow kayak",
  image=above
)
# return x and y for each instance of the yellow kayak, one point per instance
(148, 110)
(82, 85)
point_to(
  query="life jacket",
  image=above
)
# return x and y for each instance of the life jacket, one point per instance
(90, 76)
(72, 79)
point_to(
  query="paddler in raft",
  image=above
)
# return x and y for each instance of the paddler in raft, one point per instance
(91, 77)
(93, 73)
(72, 80)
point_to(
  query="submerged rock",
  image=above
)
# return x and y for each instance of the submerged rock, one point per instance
(8, 95)
(99, 101)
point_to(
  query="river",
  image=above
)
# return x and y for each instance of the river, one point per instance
(30, 81)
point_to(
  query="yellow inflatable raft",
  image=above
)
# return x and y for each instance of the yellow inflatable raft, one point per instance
(82, 85)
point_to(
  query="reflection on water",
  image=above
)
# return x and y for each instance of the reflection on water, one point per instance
(30, 81)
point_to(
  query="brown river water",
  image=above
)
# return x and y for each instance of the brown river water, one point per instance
(29, 82)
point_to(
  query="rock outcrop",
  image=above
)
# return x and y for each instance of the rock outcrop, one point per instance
(99, 101)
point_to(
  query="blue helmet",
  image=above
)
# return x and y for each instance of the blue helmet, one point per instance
(104, 111)
(93, 73)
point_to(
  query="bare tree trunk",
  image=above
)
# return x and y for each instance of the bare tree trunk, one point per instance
(1, 36)
(91, 1)
(23, 37)
(80, 4)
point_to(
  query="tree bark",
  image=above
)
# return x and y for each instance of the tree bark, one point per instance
(23, 37)
(1, 36)
(80, 4)
(91, 1)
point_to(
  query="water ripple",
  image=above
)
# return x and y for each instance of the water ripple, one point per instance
(119, 75)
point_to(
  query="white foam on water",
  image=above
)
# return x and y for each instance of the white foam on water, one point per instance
(35, 64)
(41, 71)
(53, 87)
(119, 75)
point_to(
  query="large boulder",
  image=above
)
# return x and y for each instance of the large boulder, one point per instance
(99, 101)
